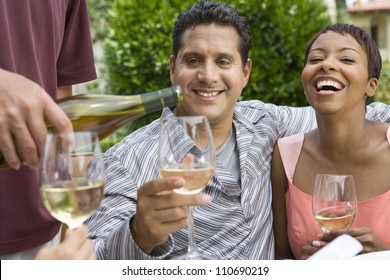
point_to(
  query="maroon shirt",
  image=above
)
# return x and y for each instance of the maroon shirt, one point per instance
(49, 42)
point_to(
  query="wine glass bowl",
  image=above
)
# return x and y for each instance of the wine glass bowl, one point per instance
(334, 201)
(186, 150)
(196, 178)
(72, 186)
(195, 163)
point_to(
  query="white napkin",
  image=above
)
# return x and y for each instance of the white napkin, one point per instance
(341, 248)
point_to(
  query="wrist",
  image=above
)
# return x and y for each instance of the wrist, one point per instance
(138, 238)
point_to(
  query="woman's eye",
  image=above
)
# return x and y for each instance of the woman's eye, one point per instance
(315, 59)
(347, 60)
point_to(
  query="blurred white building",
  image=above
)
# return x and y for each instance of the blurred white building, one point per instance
(331, 8)
(374, 17)
(371, 15)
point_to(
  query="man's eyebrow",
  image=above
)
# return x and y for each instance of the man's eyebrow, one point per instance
(192, 53)
(227, 55)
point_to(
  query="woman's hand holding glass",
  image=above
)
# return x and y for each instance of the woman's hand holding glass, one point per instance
(334, 208)
(334, 201)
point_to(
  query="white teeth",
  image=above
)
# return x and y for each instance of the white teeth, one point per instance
(208, 94)
(329, 83)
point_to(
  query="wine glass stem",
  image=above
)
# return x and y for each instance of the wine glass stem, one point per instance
(191, 237)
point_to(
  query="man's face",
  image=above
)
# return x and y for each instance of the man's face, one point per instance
(208, 67)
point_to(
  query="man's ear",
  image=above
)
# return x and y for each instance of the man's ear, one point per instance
(371, 87)
(171, 68)
(247, 71)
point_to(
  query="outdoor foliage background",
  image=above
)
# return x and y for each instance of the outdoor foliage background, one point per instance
(136, 39)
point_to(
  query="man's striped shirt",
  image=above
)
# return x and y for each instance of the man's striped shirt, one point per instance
(237, 223)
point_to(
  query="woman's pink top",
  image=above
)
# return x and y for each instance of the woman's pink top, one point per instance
(373, 213)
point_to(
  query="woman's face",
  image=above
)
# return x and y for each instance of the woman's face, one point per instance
(336, 74)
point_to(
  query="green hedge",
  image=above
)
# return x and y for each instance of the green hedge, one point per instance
(383, 92)
(138, 45)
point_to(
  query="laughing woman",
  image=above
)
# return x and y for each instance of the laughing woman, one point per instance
(342, 69)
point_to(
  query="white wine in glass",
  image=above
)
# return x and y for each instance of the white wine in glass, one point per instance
(186, 149)
(72, 186)
(334, 201)
(196, 178)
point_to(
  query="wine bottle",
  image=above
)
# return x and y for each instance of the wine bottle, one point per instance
(105, 113)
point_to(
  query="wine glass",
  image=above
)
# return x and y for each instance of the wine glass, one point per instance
(72, 185)
(334, 201)
(186, 149)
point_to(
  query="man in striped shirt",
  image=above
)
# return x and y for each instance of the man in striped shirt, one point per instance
(140, 217)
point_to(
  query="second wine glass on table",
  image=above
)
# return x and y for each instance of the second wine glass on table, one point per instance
(186, 149)
(334, 201)
(72, 186)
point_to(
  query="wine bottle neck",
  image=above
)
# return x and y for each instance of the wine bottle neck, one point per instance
(155, 101)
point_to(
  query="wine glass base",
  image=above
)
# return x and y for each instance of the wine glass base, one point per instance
(194, 255)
